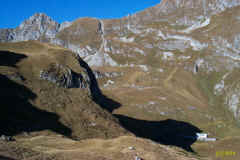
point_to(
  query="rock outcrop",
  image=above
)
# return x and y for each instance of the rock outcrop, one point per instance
(64, 76)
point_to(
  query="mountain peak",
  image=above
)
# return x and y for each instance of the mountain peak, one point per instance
(39, 14)
(39, 18)
(37, 25)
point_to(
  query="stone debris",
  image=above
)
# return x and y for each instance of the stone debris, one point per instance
(167, 56)
(137, 158)
(163, 113)
(140, 51)
(6, 138)
(197, 25)
(152, 103)
(160, 70)
(109, 82)
(184, 57)
(131, 148)
(144, 68)
(92, 124)
(127, 40)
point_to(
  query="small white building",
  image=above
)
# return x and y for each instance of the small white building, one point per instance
(204, 137)
(201, 135)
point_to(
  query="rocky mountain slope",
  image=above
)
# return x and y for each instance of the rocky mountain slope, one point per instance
(178, 60)
(178, 31)
(53, 108)
(47, 105)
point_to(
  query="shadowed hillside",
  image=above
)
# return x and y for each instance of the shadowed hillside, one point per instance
(96, 93)
(162, 74)
(17, 113)
(168, 132)
(5, 158)
(36, 104)
(10, 58)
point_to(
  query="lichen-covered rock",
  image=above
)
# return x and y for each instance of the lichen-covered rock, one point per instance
(64, 76)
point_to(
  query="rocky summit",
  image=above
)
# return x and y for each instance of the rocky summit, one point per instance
(107, 88)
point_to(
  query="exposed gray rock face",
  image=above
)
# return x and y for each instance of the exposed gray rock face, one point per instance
(232, 101)
(64, 25)
(230, 92)
(183, 12)
(37, 26)
(64, 77)
(208, 6)
(7, 35)
(221, 5)
(99, 59)
(59, 42)
(98, 74)
(43, 28)
(83, 52)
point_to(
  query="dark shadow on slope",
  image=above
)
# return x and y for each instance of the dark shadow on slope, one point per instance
(17, 114)
(5, 158)
(167, 132)
(96, 93)
(10, 59)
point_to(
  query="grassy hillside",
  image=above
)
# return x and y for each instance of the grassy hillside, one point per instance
(73, 109)
(46, 120)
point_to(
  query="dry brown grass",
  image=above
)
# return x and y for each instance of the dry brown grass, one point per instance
(76, 110)
(93, 149)
(181, 89)
(74, 106)
(82, 32)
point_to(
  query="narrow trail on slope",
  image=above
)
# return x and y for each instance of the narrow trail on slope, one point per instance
(170, 85)
(171, 75)
(179, 90)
